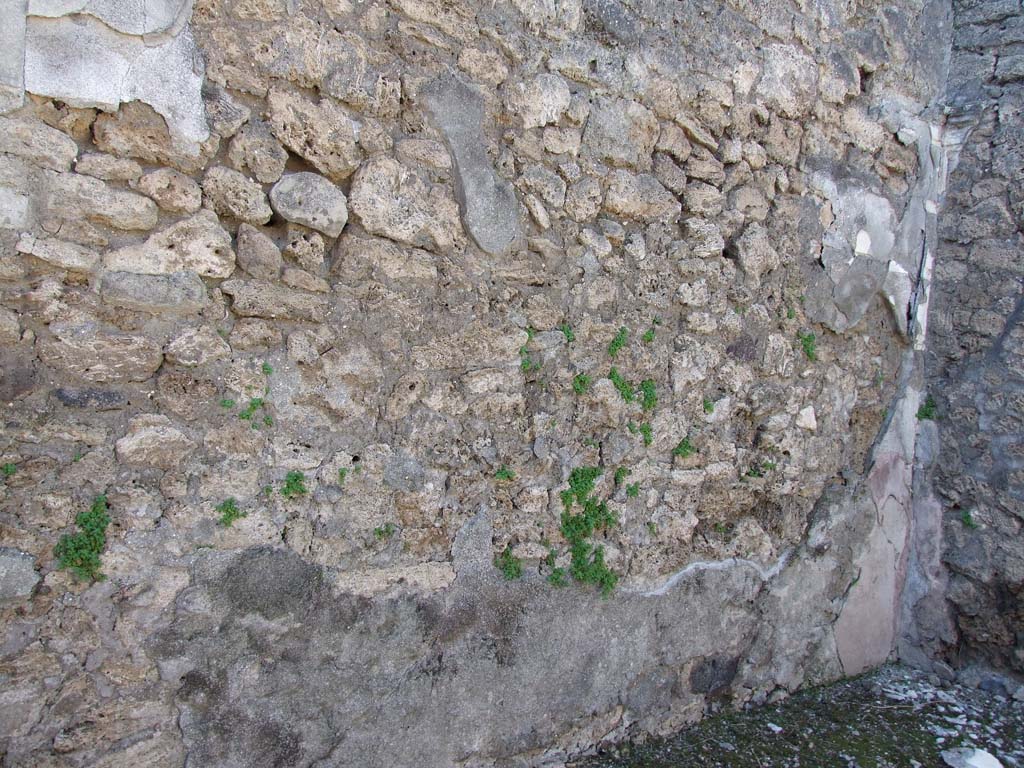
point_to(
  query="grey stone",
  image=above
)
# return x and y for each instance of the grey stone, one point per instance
(257, 253)
(131, 18)
(12, 54)
(84, 349)
(153, 441)
(322, 134)
(542, 101)
(181, 292)
(108, 167)
(258, 298)
(37, 142)
(640, 196)
(621, 133)
(255, 149)
(69, 256)
(70, 196)
(91, 398)
(488, 204)
(312, 201)
(18, 576)
(85, 63)
(197, 346)
(234, 195)
(755, 253)
(788, 81)
(172, 190)
(969, 757)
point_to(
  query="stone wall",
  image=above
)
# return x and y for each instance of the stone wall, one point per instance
(336, 303)
(973, 481)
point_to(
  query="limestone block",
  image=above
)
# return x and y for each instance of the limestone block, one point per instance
(639, 196)
(621, 133)
(154, 442)
(18, 576)
(257, 253)
(180, 292)
(82, 348)
(171, 190)
(232, 194)
(198, 244)
(38, 143)
(322, 134)
(59, 253)
(311, 200)
(258, 298)
(197, 346)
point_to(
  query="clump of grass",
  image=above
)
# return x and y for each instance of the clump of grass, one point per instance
(266, 368)
(648, 336)
(294, 485)
(709, 406)
(587, 561)
(511, 567)
(618, 342)
(633, 490)
(652, 528)
(648, 394)
(790, 313)
(566, 330)
(684, 449)
(504, 473)
(9, 469)
(926, 412)
(229, 512)
(342, 474)
(80, 552)
(624, 387)
(809, 344)
(621, 474)
(383, 532)
(557, 578)
(227, 402)
(647, 433)
(580, 383)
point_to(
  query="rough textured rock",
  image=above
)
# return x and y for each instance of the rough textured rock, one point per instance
(322, 134)
(254, 149)
(153, 441)
(639, 196)
(172, 190)
(257, 298)
(69, 256)
(257, 253)
(175, 292)
(488, 204)
(232, 194)
(311, 200)
(87, 351)
(35, 141)
(198, 244)
(18, 576)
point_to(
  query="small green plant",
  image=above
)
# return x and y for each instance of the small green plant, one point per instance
(648, 394)
(80, 552)
(383, 532)
(250, 410)
(790, 313)
(268, 490)
(755, 471)
(77, 457)
(709, 406)
(227, 402)
(504, 473)
(633, 490)
(624, 387)
(570, 337)
(557, 578)
(511, 567)
(294, 485)
(927, 410)
(266, 368)
(621, 474)
(590, 442)
(268, 421)
(768, 466)
(618, 342)
(809, 344)
(652, 528)
(342, 474)
(580, 383)
(684, 449)
(968, 519)
(229, 512)
(648, 336)
(526, 363)
(647, 432)
(8, 470)
(587, 561)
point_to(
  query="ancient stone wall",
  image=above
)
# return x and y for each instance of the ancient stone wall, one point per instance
(465, 383)
(973, 479)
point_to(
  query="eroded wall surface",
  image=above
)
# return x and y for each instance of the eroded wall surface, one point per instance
(972, 486)
(384, 274)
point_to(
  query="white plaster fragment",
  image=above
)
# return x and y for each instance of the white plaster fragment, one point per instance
(863, 244)
(807, 419)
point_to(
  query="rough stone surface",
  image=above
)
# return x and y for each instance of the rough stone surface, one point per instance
(87, 351)
(172, 190)
(236, 196)
(35, 141)
(153, 441)
(322, 134)
(198, 244)
(18, 576)
(176, 292)
(311, 200)
(488, 204)
(257, 253)
(257, 298)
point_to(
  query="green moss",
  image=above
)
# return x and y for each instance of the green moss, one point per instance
(684, 449)
(927, 410)
(80, 552)
(557, 578)
(621, 474)
(633, 490)
(342, 474)
(227, 402)
(266, 368)
(709, 406)
(9, 469)
(587, 561)
(649, 394)
(511, 567)
(624, 387)
(229, 512)
(652, 529)
(570, 337)
(294, 485)
(648, 336)
(618, 342)
(968, 519)
(504, 473)
(580, 383)
(809, 344)
(790, 313)
(383, 532)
